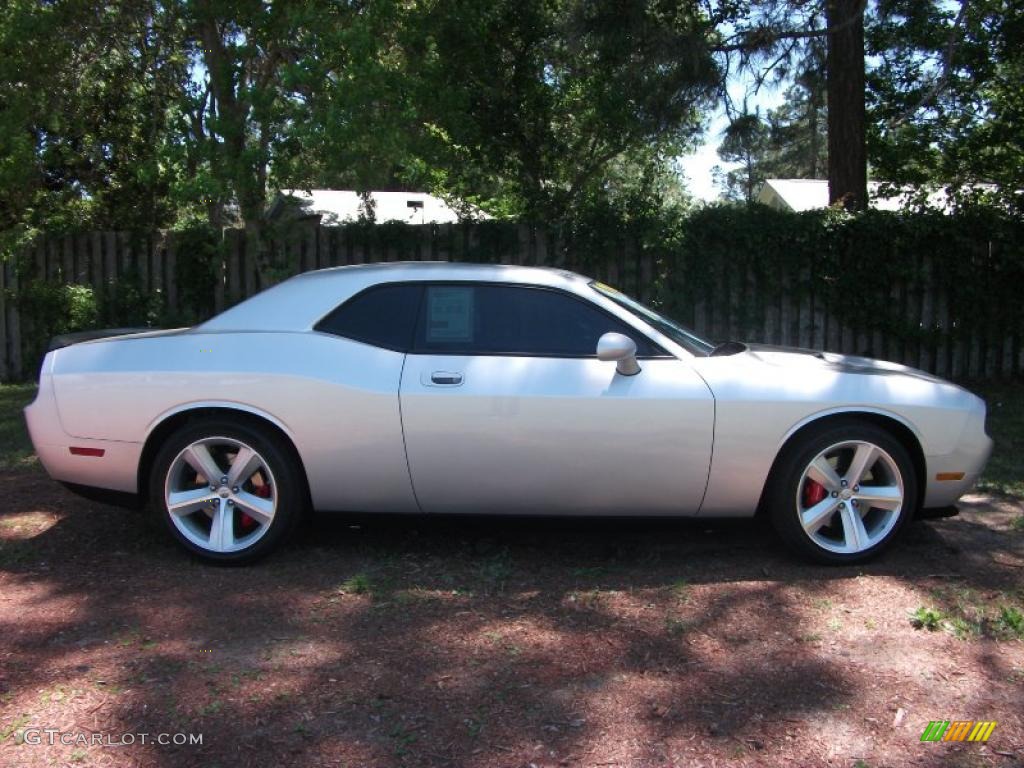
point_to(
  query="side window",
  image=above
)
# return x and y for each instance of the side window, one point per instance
(514, 320)
(384, 316)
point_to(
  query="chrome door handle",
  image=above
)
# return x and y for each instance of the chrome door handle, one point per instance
(446, 378)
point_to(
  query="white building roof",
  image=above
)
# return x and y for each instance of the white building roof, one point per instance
(809, 194)
(337, 206)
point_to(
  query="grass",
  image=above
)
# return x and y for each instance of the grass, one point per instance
(12, 728)
(968, 616)
(927, 618)
(1010, 622)
(359, 584)
(15, 447)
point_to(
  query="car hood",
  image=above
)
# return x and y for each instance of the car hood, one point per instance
(799, 358)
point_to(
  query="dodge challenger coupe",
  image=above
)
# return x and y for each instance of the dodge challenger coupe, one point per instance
(483, 389)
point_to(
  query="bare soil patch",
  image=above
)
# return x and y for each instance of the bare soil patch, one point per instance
(503, 643)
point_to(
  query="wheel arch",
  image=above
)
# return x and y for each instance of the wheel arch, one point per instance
(170, 422)
(896, 426)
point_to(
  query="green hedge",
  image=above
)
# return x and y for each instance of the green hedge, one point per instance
(862, 266)
(738, 260)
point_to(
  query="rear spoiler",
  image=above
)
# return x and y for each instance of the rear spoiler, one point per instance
(67, 339)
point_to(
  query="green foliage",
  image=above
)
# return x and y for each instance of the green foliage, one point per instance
(1010, 622)
(533, 101)
(15, 447)
(927, 618)
(945, 97)
(1004, 473)
(967, 614)
(48, 308)
(199, 252)
(700, 255)
(81, 307)
(976, 254)
(358, 584)
(790, 142)
(84, 97)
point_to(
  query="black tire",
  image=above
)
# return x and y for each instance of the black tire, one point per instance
(279, 457)
(784, 487)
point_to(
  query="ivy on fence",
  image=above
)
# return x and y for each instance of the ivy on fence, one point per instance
(936, 290)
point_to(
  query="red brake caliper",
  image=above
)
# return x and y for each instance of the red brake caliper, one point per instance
(246, 522)
(813, 492)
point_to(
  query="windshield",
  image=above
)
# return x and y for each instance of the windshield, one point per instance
(684, 337)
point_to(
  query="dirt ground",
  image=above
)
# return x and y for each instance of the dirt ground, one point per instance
(501, 643)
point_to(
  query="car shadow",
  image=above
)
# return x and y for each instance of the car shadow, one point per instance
(471, 641)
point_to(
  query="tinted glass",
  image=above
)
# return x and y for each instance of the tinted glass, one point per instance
(512, 320)
(384, 316)
(682, 336)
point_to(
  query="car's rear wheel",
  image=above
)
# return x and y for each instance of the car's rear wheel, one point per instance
(843, 493)
(227, 492)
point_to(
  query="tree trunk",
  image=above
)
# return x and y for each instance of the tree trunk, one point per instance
(255, 252)
(847, 141)
(813, 116)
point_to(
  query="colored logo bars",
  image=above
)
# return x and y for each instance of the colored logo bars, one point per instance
(958, 730)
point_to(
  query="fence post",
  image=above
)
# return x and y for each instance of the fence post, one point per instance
(309, 244)
(324, 256)
(40, 272)
(646, 275)
(13, 325)
(356, 232)
(218, 273)
(68, 260)
(926, 317)
(541, 239)
(4, 339)
(522, 254)
(171, 271)
(142, 261)
(53, 253)
(109, 258)
(95, 275)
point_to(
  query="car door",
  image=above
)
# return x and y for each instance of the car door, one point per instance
(506, 409)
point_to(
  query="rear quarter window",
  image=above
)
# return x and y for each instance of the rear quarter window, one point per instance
(384, 316)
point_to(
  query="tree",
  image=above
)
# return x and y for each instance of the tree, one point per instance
(246, 105)
(530, 102)
(945, 97)
(745, 142)
(847, 127)
(798, 139)
(769, 36)
(84, 99)
(789, 142)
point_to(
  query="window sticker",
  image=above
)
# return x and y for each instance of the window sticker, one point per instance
(450, 314)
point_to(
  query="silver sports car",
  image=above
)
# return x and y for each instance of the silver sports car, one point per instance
(451, 388)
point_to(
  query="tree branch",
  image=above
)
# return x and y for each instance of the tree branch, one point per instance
(947, 68)
(763, 37)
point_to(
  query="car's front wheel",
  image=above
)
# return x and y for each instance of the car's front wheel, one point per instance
(227, 492)
(843, 493)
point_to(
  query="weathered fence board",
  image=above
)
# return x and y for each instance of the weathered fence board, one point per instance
(744, 298)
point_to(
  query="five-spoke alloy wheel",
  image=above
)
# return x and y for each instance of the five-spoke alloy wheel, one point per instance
(227, 492)
(843, 493)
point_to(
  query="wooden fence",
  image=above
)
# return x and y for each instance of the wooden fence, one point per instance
(732, 305)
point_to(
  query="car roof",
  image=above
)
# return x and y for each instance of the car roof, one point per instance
(299, 302)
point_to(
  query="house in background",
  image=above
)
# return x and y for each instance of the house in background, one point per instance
(340, 206)
(810, 194)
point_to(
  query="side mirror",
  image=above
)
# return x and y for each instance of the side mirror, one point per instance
(621, 349)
